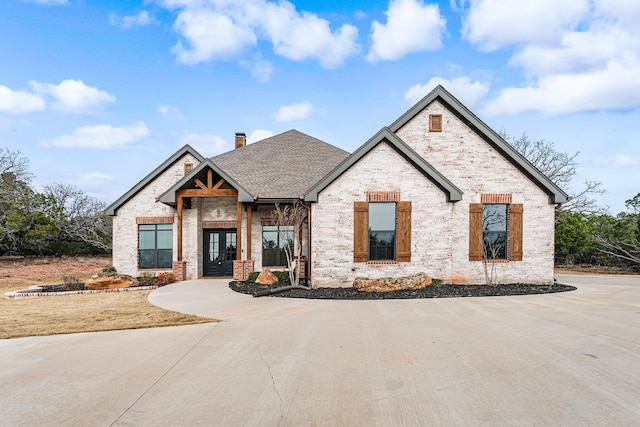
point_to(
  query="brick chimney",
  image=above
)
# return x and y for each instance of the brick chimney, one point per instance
(241, 139)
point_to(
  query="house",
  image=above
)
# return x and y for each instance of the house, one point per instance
(437, 191)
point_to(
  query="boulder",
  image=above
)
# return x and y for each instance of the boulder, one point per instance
(109, 282)
(388, 284)
(266, 277)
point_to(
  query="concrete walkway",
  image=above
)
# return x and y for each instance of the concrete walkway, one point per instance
(570, 359)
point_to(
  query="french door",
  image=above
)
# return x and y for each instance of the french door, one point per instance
(219, 250)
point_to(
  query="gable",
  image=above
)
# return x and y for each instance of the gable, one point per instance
(183, 152)
(385, 135)
(439, 94)
(201, 173)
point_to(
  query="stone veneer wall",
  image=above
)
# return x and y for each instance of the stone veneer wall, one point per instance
(440, 230)
(144, 204)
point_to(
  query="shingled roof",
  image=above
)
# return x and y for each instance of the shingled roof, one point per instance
(283, 166)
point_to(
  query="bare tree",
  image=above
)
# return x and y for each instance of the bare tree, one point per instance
(15, 199)
(287, 218)
(560, 167)
(620, 236)
(494, 243)
(77, 217)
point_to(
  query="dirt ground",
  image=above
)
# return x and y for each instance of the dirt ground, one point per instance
(75, 313)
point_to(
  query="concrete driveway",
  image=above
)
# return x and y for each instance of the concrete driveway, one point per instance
(570, 359)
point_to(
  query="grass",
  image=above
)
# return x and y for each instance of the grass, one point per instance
(81, 313)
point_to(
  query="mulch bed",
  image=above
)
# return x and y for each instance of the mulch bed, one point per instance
(441, 291)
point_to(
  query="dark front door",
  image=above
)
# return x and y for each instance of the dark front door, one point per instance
(219, 248)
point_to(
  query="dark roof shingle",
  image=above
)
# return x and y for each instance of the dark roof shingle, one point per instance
(283, 166)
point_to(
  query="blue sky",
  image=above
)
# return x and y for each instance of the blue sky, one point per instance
(98, 93)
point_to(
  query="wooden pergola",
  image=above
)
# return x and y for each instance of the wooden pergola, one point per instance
(214, 190)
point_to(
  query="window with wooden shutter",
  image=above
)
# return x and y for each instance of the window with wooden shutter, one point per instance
(360, 231)
(435, 122)
(515, 232)
(404, 232)
(475, 232)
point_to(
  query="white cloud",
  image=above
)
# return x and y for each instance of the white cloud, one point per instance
(302, 36)
(223, 30)
(615, 87)
(207, 145)
(291, 112)
(492, 24)
(468, 92)
(618, 161)
(19, 102)
(170, 112)
(73, 96)
(260, 70)
(586, 59)
(102, 137)
(259, 135)
(211, 36)
(412, 26)
(140, 19)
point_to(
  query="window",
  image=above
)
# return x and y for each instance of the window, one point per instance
(382, 231)
(155, 245)
(188, 167)
(435, 122)
(274, 240)
(494, 231)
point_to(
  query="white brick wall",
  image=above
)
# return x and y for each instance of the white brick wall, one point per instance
(125, 229)
(440, 230)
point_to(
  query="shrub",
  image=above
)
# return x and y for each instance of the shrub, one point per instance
(107, 270)
(436, 282)
(165, 279)
(147, 279)
(72, 283)
(253, 276)
(281, 275)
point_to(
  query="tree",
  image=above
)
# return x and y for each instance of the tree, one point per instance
(77, 217)
(15, 198)
(619, 237)
(560, 167)
(287, 217)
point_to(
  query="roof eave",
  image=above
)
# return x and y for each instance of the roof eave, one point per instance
(452, 192)
(557, 195)
(169, 196)
(186, 149)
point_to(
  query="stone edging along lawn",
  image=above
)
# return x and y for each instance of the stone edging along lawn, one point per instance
(34, 293)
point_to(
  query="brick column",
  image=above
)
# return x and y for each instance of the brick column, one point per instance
(180, 270)
(242, 268)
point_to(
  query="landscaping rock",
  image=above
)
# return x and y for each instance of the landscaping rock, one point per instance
(388, 284)
(266, 277)
(108, 282)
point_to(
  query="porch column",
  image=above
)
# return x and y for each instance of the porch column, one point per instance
(239, 232)
(249, 211)
(180, 208)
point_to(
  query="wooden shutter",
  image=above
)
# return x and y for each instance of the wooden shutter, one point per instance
(360, 231)
(403, 230)
(515, 232)
(475, 232)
